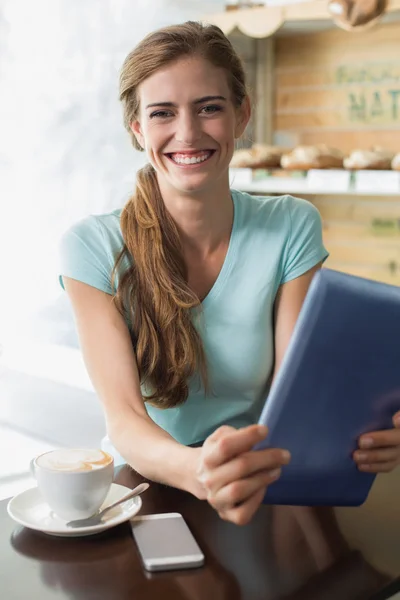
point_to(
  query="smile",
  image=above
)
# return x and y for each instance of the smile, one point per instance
(190, 159)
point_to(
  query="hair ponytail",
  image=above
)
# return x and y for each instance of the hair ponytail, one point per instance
(156, 297)
(154, 293)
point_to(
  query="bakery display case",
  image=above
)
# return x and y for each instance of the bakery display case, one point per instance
(326, 120)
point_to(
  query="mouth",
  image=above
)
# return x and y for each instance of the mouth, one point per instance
(190, 159)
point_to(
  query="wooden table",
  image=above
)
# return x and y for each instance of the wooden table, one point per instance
(285, 553)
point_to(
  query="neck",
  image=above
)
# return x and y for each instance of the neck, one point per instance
(204, 220)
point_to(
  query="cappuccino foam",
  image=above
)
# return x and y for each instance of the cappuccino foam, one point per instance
(76, 460)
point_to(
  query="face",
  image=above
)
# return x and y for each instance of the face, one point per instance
(188, 124)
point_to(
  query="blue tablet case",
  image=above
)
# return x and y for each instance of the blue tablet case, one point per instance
(340, 378)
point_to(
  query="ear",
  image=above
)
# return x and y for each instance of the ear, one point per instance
(243, 114)
(137, 131)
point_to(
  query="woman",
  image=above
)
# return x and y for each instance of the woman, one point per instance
(186, 299)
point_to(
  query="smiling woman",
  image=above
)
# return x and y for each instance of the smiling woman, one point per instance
(185, 300)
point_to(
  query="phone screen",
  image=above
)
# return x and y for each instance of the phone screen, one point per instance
(165, 539)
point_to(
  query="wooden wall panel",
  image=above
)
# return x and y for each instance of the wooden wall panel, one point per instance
(339, 88)
(357, 209)
(348, 140)
(362, 235)
(343, 89)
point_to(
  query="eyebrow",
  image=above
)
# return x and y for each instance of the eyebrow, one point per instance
(198, 101)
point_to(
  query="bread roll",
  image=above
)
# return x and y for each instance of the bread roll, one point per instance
(259, 156)
(359, 15)
(374, 159)
(242, 159)
(320, 156)
(396, 162)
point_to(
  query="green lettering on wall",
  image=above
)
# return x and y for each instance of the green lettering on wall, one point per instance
(368, 73)
(395, 97)
(385, 227)
(358, 107)
(376, 106)
(341, 75)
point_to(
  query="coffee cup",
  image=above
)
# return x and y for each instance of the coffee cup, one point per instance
(74, 481)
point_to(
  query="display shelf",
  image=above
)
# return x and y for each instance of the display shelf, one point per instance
(318, 183)
(300, 17)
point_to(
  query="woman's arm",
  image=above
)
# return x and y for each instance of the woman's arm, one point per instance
(289, 300)
(224, 471)
(111, 365)
(234, 476)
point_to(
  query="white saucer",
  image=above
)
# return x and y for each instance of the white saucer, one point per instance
(29, 509)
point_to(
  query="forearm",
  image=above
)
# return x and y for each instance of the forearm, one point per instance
(152, 452)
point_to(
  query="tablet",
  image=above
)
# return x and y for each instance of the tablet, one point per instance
(339, 378)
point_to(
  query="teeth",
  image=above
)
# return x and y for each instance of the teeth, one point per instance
(191, 160)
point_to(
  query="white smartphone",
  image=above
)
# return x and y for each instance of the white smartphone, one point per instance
(165, 542)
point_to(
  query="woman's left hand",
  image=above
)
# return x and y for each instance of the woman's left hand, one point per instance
(379, 450)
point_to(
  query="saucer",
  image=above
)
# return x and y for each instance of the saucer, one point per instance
(30, 509)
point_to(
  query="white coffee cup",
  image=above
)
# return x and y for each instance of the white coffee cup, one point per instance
(74, 481)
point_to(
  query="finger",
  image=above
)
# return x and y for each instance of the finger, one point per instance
(380, 439)
(396, 419)
(220, 432)
(241, 515)
(229, 445)
(378, 467)
(244, 466)
(239, 491)
(377, 456)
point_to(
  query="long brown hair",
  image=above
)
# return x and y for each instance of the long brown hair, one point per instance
(153, 292)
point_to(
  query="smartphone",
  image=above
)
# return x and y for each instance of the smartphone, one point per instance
(165, 542)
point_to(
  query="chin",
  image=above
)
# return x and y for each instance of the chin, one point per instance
(196, 185)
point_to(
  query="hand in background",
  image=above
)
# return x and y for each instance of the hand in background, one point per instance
(380, 450)
(234, 476)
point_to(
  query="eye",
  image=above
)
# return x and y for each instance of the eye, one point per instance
(160, 114)
(211, 108)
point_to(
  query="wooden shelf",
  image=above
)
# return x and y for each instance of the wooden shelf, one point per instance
(298, 189)
(304, 185)
(303, 17)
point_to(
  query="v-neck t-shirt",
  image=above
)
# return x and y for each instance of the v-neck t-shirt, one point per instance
(273, 240)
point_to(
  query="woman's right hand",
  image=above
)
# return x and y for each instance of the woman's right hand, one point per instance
(234, 477)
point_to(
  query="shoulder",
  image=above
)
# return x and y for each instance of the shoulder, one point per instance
(286, 211)
(89, 248)
(96, 232)
(103, 223)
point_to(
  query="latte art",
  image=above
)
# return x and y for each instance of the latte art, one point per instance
(74, 460)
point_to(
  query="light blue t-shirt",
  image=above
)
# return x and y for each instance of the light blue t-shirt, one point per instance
(273, 240)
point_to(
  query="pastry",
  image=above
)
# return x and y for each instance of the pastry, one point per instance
(259, 156)
(320, 156)
(374, 159)
(396, 162)
(356, 14)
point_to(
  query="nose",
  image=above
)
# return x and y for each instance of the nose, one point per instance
(188, 129)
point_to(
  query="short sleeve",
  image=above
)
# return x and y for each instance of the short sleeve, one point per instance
(83, 255)
(304, 248)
